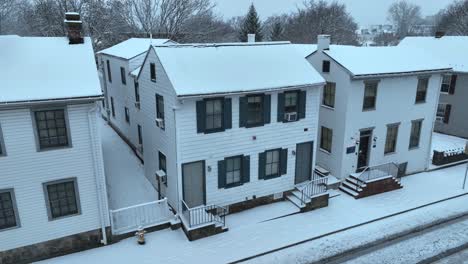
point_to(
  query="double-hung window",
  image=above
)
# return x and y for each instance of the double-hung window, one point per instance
(213, 115)
(2, 144)
(391, 140)
(326, 139)
(326, 66)
(254, 110)
(8, 212)
(291, 106)
(51, 127)
(329, 95)
(272, 163)
(233, 171)
(153, 72)
(112, 107)
(291, 101)
(160, 111)
(416, 127)
(421, 91)
(109, 74)
(62, 198)
(163, 165)
(122, 76)
(137, 93)
(127, 115)
(370, 96)
(440, 112)
(446, 82)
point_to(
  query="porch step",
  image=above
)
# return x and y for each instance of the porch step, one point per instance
(298, 195)
(355, 182)
(295, 200)
(352, 186)
(349, 191)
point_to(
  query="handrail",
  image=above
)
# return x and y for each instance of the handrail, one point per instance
(378, 171)
(205, 214)
(314, 187)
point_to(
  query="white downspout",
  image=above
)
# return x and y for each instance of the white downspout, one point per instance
(102, 217)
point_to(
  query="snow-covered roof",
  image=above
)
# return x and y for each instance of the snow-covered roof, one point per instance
(203, 69)
(46, 68)
(133, 47)
(306, 49)
(361, 61)
(135, 72)
(449, 49)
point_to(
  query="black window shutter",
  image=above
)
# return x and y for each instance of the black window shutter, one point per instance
(281, 107)
(267, 109)
(242, 111)
(227, 113)
(221, 174)
(246, 169)
(261, 165)
(453, 83)
(201, 116)
(302, 104)
(448, 109)
(284, 161)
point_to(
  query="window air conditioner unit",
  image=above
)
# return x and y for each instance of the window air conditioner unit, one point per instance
(290, 116)
(137, 105)
(160, 122)
(161, 175)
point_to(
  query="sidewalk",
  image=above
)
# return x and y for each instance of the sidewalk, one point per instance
(250, 235)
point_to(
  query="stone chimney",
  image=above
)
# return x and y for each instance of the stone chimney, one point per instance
(74, 28)
(323, 42)
(439, 34)
(251, 38)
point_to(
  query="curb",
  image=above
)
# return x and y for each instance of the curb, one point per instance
(444, 254)
(389, 238)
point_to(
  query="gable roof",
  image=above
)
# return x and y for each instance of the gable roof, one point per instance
(201, 69)
(46, 68)
(133, 47)
(449, 49)
(306, 49)
(370, 61)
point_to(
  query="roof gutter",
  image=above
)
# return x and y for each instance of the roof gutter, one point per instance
(71, 100)
(398, 74)
(249, 92)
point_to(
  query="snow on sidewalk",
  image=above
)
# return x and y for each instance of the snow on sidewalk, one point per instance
(126, 181)
(257, 237)
(442, 142)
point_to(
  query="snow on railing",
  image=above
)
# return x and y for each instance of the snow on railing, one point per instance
(202, 215)
(380, 171)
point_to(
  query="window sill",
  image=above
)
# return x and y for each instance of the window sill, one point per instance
(214, 131)
(325, 151)
(153, 80)
(421, 102)
(390, 153)
(53, 148)
(369, 109)
(328, 107)
(444, 92)
(63, 217)
(266, 178)
(233, 185)
(10, 228)
(413, 148)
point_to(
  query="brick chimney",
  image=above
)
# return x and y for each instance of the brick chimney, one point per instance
(323, 42)
(439, 34)
(74, 28)
(251, 38)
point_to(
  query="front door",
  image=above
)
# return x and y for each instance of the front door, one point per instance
(364, 149)
(193, 181)
(304, 153)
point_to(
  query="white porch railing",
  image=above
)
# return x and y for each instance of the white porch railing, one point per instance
(145, 215)
(379, 171)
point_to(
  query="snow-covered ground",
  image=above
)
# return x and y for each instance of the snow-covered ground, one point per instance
(126, 182)
(250, 234)
(442, 142)
(459, 258)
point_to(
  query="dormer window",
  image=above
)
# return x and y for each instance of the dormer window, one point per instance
(326, 66)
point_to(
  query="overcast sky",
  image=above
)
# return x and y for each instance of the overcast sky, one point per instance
(365, 12)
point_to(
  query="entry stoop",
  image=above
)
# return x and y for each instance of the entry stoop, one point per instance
(311, 196)
(357, 188)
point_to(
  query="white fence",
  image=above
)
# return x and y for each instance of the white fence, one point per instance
(145, 215)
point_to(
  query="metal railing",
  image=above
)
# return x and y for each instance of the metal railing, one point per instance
(130, 219)
(315, 187)
(202, 215)
(379, 171)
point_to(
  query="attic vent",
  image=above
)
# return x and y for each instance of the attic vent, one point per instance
(74, 28)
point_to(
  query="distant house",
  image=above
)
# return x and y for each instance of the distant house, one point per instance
(122, 103)
(226, 127)
(377, 110)
(452, 111)
(52, 186)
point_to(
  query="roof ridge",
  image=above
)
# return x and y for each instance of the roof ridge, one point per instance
(216, 45)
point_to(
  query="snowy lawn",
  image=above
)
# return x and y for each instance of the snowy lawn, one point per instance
(247, 238)
(126, 182)
(442, 142)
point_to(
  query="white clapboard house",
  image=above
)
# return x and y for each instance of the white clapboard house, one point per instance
(377, 113)
(118, 66)
(52, 185)
(226, 127)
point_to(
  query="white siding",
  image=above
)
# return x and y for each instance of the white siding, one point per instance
(239, 141)
(25, 170)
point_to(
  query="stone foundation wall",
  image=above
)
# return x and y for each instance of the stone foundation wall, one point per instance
(376, 187)
(245, 205)
(317, 202)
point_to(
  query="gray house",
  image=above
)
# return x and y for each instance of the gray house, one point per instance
(452, 110)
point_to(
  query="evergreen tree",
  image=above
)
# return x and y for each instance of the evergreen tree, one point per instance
(251, 25)
(276, 33)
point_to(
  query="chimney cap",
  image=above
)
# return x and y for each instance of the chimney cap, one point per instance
(72, 16)
(250, 38)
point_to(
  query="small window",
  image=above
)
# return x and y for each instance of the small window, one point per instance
(137, 91)
(272, 163)
(446, 81)
(326, 139)
(329, 95)
(214, 115)
(8, 212)
(122, 75)
(326, 66)
(370, 96)
(254, 110)
(233, 171)
(2, 144)
(291, 102)
(153, 72)
(51, 128)
(127, 115)
(415, 134)
(109, 74)
(140, 135)
(112, 107)
(162, 165)
(421, 91)
(391, 140)
(160, 111)
(62, 198)
(441, 112)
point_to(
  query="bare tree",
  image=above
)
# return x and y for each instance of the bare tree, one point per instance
(404, 16)
(454, 19)
(145, 14)
(6, 7)
(386, 39)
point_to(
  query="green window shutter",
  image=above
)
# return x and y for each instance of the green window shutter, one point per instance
(242, 111)
(221, 174)
(453, 83)
(201, 116)
(227, 113)
(261, 165)
(280, 107)
(302, 104)
(284, 161)
(266, 109)
(246, 169)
